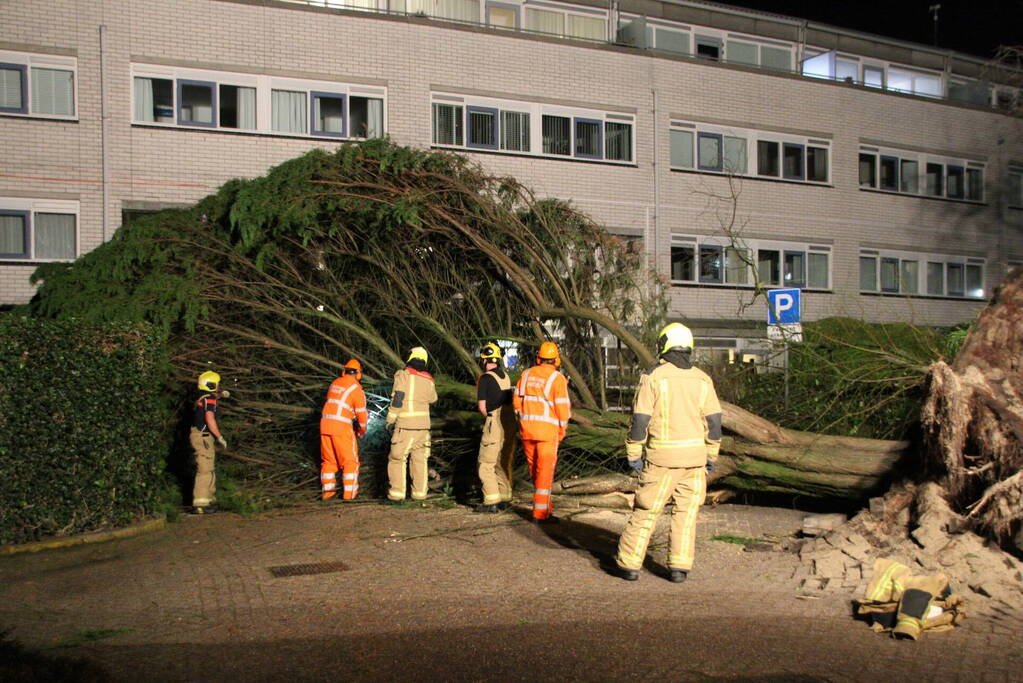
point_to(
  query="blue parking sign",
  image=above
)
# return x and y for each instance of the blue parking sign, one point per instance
(782, 306)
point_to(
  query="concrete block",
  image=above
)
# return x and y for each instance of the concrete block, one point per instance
(876, 506)
(816, 525)
(829, 566)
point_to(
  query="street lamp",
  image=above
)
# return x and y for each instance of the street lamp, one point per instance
(933, 9)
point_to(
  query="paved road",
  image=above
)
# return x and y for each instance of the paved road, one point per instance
(431, 594)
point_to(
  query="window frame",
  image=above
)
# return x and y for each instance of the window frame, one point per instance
(926, 274)
(214, 89)
(26, 234)
(28, 209)
(599, 124)
(315, 95)
(777, 253)
(22, 70)
(495, 126)
(24, 63)
(973, 174)
(719, 138)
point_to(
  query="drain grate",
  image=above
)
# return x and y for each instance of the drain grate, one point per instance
(308, 568)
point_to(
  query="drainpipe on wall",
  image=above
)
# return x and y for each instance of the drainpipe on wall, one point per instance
(657, 188)
(103, 126)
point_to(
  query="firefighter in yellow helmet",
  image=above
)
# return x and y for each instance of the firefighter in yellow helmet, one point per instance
(343, 420)
(409, 417)
(677, 418)
(201, 435)
(541, 401)
(497, 444)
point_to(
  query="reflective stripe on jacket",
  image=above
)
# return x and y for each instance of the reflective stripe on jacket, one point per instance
(542, 404)
(411, 397)
(674, 403)
(346, 402)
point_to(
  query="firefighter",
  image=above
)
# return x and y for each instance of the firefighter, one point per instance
(677, 417)
(204, 430)
(543, 408)
(409, 417)
(497, 443)
(343, 421)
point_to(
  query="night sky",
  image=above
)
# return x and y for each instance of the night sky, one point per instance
(976, 27)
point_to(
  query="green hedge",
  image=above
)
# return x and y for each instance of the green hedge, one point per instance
(83, 428)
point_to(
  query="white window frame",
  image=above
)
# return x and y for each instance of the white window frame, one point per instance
(264, 85)
(27, 61)
(923, 260)
(31, 207)
(752, 138)
(900, 156)
(536, 112)
(566, 11)
(1014, 189)
(701, 244)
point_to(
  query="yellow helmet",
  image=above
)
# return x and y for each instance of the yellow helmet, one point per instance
(674, 335)
(209, 381)
(491, 351)
(418, 352)
(549, 351)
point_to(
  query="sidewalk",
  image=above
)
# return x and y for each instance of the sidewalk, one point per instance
(433, 594)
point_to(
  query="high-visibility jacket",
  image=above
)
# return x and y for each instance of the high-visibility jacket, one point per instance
(542, 404)
(411, 397)
(677, 417)
(345, 406)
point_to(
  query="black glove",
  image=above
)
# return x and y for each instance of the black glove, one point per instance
(711, 467)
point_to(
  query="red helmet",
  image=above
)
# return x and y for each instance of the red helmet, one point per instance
(354, 367)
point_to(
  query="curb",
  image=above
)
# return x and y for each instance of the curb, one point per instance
(148, 526)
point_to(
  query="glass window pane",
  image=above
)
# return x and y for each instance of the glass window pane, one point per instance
(889, 275)
(935, 180)
(672, 41)
(935, 278)
(328, 114)
(956, 182)
(735, 155)
(768, 162)
(545, 22)
(817, 266)
(956, 279)
(53, 91)
(708, 48)
(873, 77)
(868, 274)
(846, 71)
(54, 235)
(12, 89)
(817, 164)
(868, 170)
(795, 268)
(975, 184)
(910, 180)
(1015, 189)
(196, 105)
(900, 80)
(12, 234)
(710, 264)
(587, 138)
(288, 111)
(775, 58)
(237, 107)
(736, 267)
(557, 134)
(769, 266)
(154, 100)
(501, 17)
(741, 53)
(927, 85)
(683, 262)
(709, 150)
(515, 130)
(974, 281)
(447, 124)
(365, 117)
(618, 141)
(482, 127)
(590, 28)
(889, 173)
(792, 162)
(681, 149)
(909, 277)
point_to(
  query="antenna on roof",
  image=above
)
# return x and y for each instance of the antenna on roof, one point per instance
(933, 9)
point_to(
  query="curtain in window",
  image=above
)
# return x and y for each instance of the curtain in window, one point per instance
(545, 22)
(590, 28)
(413, 6)
(817, 267)
(681, 149)
(12, 234)
(515, 131)
(247, 108)
(144, 99)
(11, 96)
(54, 235)
(53, 92)
(288, 111)
(909, 276)
(374, 118)
(459, 10)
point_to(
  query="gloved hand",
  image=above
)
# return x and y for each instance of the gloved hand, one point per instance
(637, 465)
(711, 466)
(224, 393)
(222, 441)
(389, 427)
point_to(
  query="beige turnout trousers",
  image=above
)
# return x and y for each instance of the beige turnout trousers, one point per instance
(687, 487)
(204, 491)
(406, 444)
(497, 449)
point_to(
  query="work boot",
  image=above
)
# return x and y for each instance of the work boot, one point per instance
(395, 503)
(487, 509)
(204, 509)
(678, 575)
(628, 574)
(503, 505)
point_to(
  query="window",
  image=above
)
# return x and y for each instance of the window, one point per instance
(710, 263)
(909, 276)
(868, 273)
(38, 230)
(682, 149)
(545, 22)
(328, 114)
(709, 152)
(769, 266)
(695, 260)
(956, 279)
(736, 265)
(618, 140)
(955, 182)
(817, 270)
(683, 262)
(196, 103)
(768, 161)
(671, 41)
(154, 100)
(515, 131)
(873, 77)
(817, 164)
(288, 111)
(974, 281)
(868, 170)
(587, 27)
(795, 269)
(447, 124)
(935, 180)
(779, 58)
(846, 70)
(889, 275)
(365, 117)
(889, 173)
(975, 184)
(900, 273)
(587, 138)
(735, 155)
(237, 107)
(935, 278)
(502, 17)
(739, 52)
(909, 180)
(792, 162)
(482, 127)
(708, 47)
(557, 135)
(37, 85)
(1015, 187)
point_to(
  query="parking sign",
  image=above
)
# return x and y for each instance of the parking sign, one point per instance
(782, 306)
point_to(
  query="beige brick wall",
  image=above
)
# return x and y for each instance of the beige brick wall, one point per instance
(173, 165)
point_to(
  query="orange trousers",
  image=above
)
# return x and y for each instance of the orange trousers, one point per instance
(339, 452)
(542, 458)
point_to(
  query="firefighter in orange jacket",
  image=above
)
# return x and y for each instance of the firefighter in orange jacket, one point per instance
(409, 416)
(543, 407)
(677, 417)
(342, 420)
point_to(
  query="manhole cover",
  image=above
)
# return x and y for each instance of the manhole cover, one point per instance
(309, 568)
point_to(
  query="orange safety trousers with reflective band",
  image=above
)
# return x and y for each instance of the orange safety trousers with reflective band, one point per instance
(542, 404)
(339, 448)
(542, 458)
